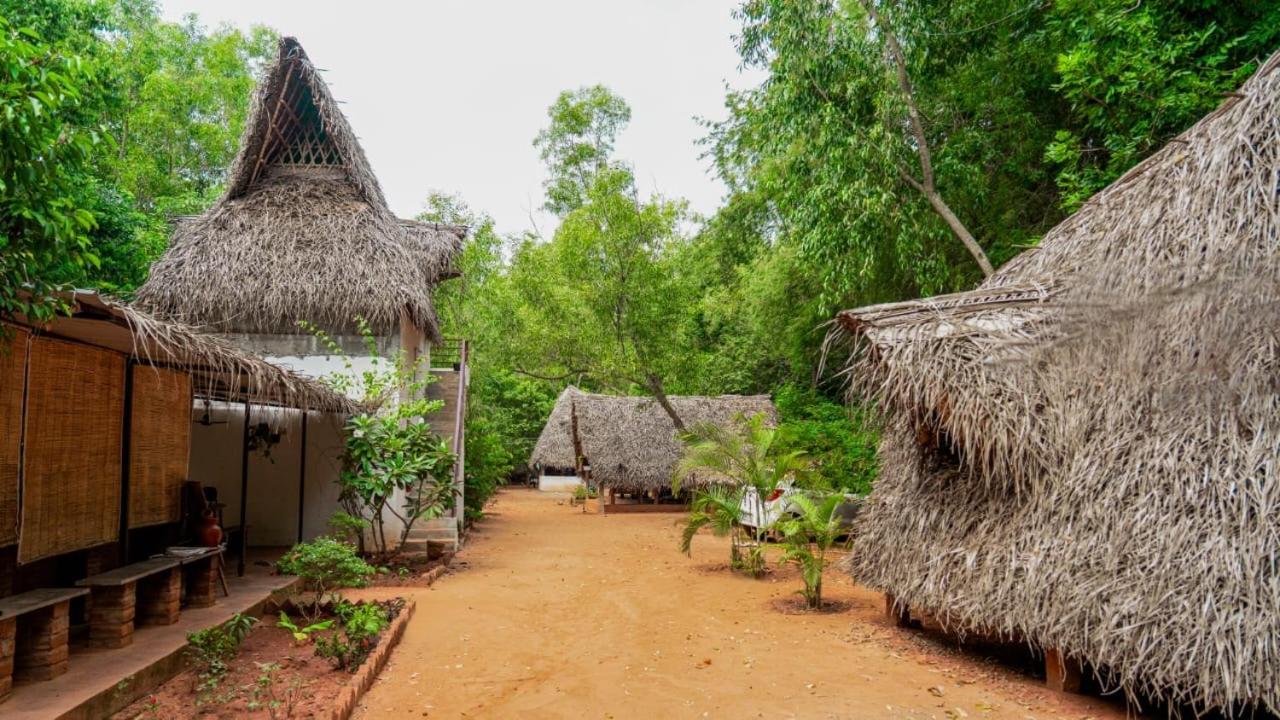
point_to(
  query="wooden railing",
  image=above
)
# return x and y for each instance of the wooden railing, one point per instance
(448, 353)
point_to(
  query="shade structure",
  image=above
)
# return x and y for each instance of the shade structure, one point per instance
(159, 444)
(630, 441)
(71, 463)
(13, 367)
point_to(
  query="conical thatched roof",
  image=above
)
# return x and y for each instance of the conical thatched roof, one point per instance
(630, 441)
(303, 231)
(1085, 450)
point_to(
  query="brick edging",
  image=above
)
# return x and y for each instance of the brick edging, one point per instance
(362, 680)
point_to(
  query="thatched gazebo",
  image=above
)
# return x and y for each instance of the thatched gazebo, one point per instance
(1084, 452)
(303, 231)
(629, 442)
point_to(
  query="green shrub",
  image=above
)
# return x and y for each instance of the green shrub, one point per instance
(324, 565)
(361, 625)
(212, 648)
(840, 442)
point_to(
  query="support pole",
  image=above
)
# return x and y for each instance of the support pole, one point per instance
(302, 475)
(126, 441)
(1062, 673)
(244, 493)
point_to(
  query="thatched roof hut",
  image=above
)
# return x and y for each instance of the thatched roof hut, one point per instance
(303, 231)
(1083, 452)
(629, 441)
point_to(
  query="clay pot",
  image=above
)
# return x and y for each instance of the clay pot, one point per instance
(210, 534)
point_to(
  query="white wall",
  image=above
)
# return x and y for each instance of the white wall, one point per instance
(558, 483)
(273, 481)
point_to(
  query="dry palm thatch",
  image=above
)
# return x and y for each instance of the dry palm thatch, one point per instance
(303, 231)
(630, 442)
(1084, 452)
(218, 370)
(438, 246)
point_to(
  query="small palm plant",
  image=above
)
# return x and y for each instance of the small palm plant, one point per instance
(808, 535)
(743, 455)
(719, 508)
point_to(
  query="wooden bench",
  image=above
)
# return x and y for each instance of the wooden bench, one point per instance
(148, 592)
(38, 649)
(203, 569)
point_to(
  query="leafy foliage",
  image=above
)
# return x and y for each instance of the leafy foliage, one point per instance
(324, 565)
(114, 122)
(746, 457)
(47, 140)
(212, 648)
(812, 531)
(391, 452)
(361, 624)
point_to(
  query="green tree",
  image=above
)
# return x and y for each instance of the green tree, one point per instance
(1136, 74)
(578, 143)
(47, 138)
(605, 292)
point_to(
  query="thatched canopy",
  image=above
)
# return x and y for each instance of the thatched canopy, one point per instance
(1085, 451)
(219, 371)
(303, 231)
(631, 442)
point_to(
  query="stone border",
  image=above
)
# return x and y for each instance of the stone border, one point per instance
(362, 680)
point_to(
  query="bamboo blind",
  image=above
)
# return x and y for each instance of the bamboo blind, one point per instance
(13, 368)
(71, 459)
(159, 441)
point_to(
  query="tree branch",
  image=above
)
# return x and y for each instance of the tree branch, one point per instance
(927, 186)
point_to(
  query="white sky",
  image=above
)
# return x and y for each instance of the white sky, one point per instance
(449, 94)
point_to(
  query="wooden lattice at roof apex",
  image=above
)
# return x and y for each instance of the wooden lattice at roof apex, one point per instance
(296, 134)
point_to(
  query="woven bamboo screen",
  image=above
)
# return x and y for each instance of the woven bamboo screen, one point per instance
(71, 460)
(13, 367)
(159, 441)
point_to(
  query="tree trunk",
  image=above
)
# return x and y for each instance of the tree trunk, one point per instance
(659, 394)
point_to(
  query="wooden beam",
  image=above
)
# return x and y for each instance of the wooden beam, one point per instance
(126, 439)
(262, 151)
(898, 614)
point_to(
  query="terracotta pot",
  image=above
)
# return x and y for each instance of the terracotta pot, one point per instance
(210, 534)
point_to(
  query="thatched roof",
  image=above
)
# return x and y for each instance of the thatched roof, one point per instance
(219, 371)
(1085, 451)
(631, 442)
(303, 231)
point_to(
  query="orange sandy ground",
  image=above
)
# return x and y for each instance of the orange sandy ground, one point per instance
(550, 613)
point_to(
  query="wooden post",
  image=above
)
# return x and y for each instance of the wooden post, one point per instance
(302, 475)
(126, 439)
(244, 492)
(1062, 673)
(898, 614)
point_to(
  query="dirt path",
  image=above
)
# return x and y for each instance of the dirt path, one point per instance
(556, 614)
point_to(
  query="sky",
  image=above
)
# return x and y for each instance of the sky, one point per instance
(448, 94)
